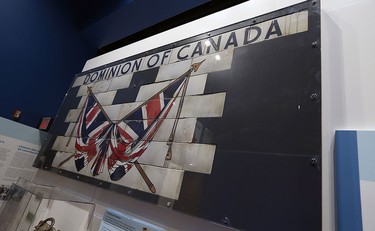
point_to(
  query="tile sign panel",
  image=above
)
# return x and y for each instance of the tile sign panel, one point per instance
(225, 127)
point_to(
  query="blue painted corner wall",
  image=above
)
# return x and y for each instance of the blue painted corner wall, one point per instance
(348, 198)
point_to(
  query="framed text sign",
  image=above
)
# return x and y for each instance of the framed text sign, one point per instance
(225, 125)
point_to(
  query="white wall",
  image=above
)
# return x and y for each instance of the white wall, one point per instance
(348, 80)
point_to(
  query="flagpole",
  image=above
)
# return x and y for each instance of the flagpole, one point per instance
(194, 67)
(145, 177)
(173, 132)
(66, 160)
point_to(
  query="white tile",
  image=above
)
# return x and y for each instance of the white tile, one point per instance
(184, 52)
(185, 156)
(302, 21)
(69, 165)
(112, 111)
(83, 89)
(147, 91)
(231, 40)
(120, 82)
(73, 115)
(192, 157)
(204, 106)
(215, 44)
(173, 70)
(211, 64)
(200, 106)
(156, 60)
(154, 154)
(64, 144)
(196, 86)
(264, 26)
(184, 130)
(126, 108)
(294, 23)
(101, 86)
(131, 179)
(71, 130)
(79, 81)
(106, 98)
(132, 66)
(166, 181)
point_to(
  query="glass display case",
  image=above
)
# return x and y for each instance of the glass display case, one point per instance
(27, 204)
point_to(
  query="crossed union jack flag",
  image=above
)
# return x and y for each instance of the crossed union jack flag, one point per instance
(122, 142)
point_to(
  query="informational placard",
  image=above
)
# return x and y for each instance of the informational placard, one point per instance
(16, 160)
(19, 146)
(116, 221)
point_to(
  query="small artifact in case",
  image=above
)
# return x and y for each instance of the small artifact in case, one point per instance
(43, 225)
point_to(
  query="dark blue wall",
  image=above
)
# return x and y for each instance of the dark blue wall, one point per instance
(40, 53)
(45, 43)
(133, 17)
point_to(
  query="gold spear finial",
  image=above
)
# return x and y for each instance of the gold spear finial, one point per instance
(195, 66)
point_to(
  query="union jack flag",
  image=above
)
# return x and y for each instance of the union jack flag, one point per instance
(121, 142)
